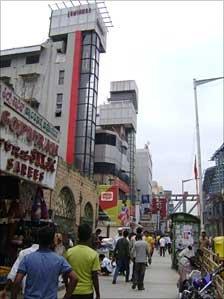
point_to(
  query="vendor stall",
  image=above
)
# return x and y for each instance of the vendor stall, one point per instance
(28, 162)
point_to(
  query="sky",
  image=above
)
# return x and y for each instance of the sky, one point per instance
(162, 45)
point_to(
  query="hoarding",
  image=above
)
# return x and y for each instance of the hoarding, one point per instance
(108, 203)
(112, 209)
(28, 147)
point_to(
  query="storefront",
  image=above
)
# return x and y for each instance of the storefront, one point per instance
(28, 163)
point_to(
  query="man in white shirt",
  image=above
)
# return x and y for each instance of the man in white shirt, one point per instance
(162, 244)
(106, 266)
(12, 274)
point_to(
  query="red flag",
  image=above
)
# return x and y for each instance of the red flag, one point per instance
(195, 169)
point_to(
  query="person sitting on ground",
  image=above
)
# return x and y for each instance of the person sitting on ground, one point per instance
(106, 266)
(43, 268)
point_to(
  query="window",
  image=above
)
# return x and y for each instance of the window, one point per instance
(32, 59)
(59, 104)
(5, 62)
(104, 138)
(61, 77)
(58, 128)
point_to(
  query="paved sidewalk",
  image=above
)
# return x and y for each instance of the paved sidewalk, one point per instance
(160, 283)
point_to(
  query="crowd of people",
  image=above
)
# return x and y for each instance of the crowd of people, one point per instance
(39, 268)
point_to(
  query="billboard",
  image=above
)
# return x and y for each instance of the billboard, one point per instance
(28, 142)
(112, 209)
(159, 204)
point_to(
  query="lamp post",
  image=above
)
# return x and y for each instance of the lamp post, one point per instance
(139, 204)
(195, 84)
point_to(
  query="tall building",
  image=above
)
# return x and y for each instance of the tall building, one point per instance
(115, 141)
(144, 180)
(144, 171)
(213, 190)
(59, 78)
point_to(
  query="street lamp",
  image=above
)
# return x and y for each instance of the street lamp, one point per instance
(138, 191)
(195, 84)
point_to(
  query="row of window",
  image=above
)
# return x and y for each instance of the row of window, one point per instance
(87, 102)
(110, 139)
(31, 59)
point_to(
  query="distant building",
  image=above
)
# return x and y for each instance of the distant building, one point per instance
(144, 179)
(156, 189)
(115, 149)
(213, 189)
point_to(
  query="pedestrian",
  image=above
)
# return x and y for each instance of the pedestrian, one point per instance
(42, 269)
(149, 241)
(118, 236)
(168, 243)
(162, 244)
(122, 256)
(59, 246)
(96, 243)
(141, 252)
(34, 247)
(203, 240)
(132, 237)
(85, 262)
(106, 265)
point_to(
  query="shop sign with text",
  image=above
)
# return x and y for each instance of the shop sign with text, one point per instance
(26, 151)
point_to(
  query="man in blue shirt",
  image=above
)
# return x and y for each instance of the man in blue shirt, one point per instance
(42, 269)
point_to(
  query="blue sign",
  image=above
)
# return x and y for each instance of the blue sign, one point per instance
(145, 199)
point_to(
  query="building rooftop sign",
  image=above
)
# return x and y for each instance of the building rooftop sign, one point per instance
(28, 148)
(80, 17)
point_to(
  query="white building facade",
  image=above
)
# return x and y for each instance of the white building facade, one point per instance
(59, 78)
(144, 178)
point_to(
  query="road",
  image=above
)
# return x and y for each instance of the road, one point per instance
(160, 283)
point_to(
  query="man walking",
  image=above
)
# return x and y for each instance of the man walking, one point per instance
(122, 255)
(140, 252)
(42, 269)
(162, 244)
(85, 262)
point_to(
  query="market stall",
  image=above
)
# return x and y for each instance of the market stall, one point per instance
(28, 163)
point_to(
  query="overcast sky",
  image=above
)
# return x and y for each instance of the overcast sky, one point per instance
(162, 45)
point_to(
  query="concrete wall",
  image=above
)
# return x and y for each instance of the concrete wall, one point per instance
(66, 177)
(118, 113)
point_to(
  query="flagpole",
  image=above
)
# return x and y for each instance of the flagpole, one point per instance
(195, 84)
(199, 155)
(198, 205)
